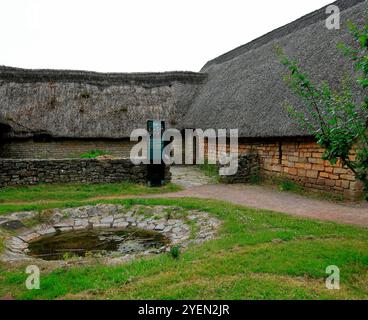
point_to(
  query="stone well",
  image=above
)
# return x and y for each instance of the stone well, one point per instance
(180, 226)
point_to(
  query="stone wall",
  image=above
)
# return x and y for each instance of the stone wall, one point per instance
(61, 149)
(248, 169)
(28, 172)
(300, 160)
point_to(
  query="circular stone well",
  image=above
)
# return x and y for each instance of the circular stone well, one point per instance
(114, 232)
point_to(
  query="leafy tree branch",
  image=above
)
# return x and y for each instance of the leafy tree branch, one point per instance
(337, 119)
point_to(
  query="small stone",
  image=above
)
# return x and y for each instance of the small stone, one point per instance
(44, 232)
(102, 225)
(159, 227)
(12, 225)
(12, 256)
(23, 215)
(57, 217)
(94, 220)
(167, 229)
(80, 222)
(108, 220)
(150, 226)
(185, 227)
(176, 230)
(16, 245)
(140, 218)
(142, 225)
(92, 211)
(120, 224)
(129, 213)
(29, 236)
(66, 229)
(64, 224)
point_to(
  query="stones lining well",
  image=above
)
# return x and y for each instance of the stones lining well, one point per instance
(179, 225)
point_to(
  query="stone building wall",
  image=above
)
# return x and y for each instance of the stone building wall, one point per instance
(61, 149)
(28, 172)
(300, 160)
(248, 169)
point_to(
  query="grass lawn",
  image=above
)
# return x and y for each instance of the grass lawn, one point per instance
(51, 196)
(257, 255)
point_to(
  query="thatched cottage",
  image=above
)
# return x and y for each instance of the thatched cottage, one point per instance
(60, 114)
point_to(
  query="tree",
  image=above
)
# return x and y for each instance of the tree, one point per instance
(337, 120)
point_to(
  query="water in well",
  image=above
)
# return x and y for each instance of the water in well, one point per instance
(95, 242)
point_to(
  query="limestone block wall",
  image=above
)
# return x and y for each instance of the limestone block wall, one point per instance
(300, 160)
(15, 172)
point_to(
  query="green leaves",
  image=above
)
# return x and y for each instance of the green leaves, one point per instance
(336, 119)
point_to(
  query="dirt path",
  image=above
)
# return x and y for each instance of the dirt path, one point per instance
(263, 197)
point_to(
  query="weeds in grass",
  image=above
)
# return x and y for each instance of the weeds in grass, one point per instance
(128, 204)
(42, 216)
(92, 154)
(290, 186)
(210, 170)
(175, 252)
(255, 179)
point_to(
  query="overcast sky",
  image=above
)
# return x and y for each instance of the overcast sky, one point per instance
(135, 35)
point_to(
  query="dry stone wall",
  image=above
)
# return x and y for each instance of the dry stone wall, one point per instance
(248, 169)
(28, 172)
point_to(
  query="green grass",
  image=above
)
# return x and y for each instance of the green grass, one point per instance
(290, 186)
(26, 198)
(210, 170)
(258, 255)
(92, 154)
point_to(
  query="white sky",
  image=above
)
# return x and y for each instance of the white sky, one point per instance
(135, 35)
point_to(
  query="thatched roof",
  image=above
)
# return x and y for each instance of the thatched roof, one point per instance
(150, 79)
(245, 87)
(81, 104)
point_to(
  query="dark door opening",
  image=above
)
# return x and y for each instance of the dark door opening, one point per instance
(156, 168)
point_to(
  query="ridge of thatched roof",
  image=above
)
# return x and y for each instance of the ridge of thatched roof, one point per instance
(99, 78)
(245, 87)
